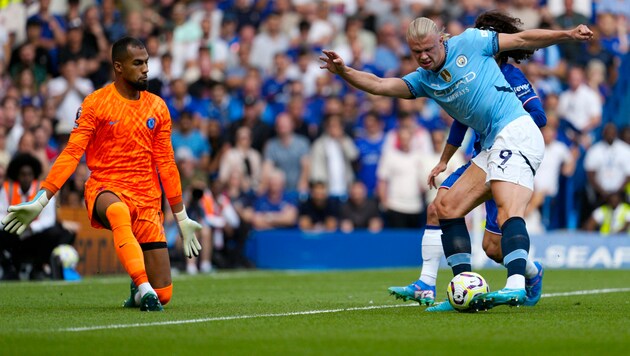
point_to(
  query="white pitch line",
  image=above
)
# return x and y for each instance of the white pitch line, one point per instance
(308, 312)
(234, 317)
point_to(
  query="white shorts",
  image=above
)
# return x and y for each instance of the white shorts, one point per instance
(515, 155)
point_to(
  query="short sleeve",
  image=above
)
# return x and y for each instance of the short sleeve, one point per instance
(414, 83)
(484, 40)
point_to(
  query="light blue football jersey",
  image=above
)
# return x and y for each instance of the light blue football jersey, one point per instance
(470, 86)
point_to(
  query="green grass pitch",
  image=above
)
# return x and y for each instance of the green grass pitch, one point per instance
(312, 313)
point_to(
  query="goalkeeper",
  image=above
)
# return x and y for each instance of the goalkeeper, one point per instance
(125, 133)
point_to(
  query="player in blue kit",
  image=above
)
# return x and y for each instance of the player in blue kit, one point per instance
(423, 290)
(461, 75)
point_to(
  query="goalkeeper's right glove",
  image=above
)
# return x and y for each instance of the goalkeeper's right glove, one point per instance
(21, 215)
(187, 228)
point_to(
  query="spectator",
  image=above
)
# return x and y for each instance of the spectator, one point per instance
(28, 89)
(229, 234)
(420, 139)
(201, 208)
(268, 43)
(14, 129)
(36, 56)
(276, 86)
(26, 59)
(53, 29)
(214, 44)
(607, 165)
(251, 118)
(68, 92)
(543, 211)
(161, 85)
(369, 142)
(112, 21)
(360, 212)
(187, 135)
(180, 100)
(332, 156)
(289, 153)
(318, 213)
(400, 183)
(273, 210)
(613, 217)
(36, 244)
(242, 157)
(5, 157)
(223, 107)
(580, 106)
(218, 146)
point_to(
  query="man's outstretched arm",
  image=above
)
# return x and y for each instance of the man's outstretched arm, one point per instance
(537, 38)
(368, 82)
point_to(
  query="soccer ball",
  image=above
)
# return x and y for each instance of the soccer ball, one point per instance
(68, 255)
(464, 287)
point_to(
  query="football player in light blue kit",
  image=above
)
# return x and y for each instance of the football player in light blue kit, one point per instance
(461, 75)
(423, 290)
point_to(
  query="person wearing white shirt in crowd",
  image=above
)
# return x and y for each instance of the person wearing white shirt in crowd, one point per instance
(559, 160)
(68, 91)
(607, 164)
(331, 156)
(580, 105)
(267, 43)
(401, 182)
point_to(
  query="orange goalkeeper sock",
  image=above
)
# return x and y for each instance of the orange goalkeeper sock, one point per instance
(127, 247)
(165, 294)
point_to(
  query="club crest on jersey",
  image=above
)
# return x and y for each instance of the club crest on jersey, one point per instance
(461, 61)
(151, 123)
(446, 75)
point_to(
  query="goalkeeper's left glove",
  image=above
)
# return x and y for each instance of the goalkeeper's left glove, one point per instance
(187, 228)
(21, 215)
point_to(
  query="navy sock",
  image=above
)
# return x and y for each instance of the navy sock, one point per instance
(456, 244)
(515, 245)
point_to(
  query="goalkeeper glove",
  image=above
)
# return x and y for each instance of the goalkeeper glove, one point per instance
(21, 215)
(187, 229)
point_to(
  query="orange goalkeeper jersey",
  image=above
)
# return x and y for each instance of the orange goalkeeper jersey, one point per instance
(126, 143)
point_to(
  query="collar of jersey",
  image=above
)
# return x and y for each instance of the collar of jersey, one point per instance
(445, 56)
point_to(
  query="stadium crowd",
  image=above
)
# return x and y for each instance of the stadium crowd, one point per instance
(266, 139)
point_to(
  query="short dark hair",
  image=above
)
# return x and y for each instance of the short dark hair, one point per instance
(120, 49)
(20, 160)
(500, 22)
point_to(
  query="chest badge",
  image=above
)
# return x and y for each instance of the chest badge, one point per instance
(151, 123)
(461, 61)
(446, 75)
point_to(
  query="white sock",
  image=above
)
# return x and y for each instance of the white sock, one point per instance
(515, 281)
(143, 289)
(530, 269)
(431, 255)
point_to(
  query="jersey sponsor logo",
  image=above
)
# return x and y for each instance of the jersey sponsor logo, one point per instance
(112, 123)
(456, 86)
(461, 61)
(151, 123)
(505, 89)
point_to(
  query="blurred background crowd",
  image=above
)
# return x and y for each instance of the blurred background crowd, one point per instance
(266, 139)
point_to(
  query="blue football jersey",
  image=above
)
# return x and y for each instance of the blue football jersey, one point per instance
(470, 86)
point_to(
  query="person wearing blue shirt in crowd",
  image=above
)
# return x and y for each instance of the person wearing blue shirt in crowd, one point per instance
(423, 290)
(461, 75)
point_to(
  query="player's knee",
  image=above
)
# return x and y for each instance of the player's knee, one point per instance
(165, 294)
(432, 215)
(118, 214)
(443, 209)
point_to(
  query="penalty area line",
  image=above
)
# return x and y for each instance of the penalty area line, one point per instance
(307, 312)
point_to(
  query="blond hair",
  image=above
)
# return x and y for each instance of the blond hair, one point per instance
(423, 26)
